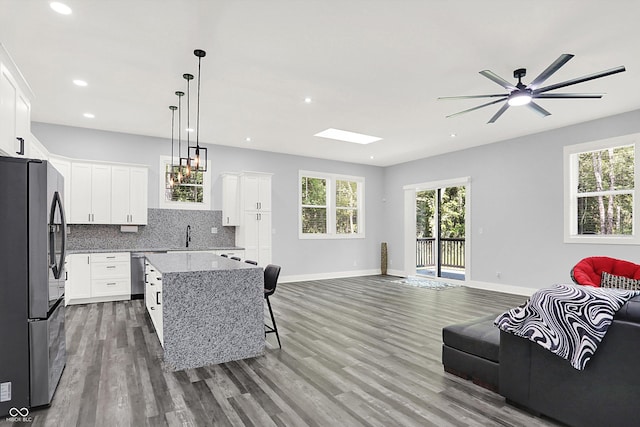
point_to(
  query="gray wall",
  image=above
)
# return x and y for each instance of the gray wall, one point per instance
(296, 256)
(517, 200)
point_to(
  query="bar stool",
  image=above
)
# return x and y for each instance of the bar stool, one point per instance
(271, 273)
(248, 261)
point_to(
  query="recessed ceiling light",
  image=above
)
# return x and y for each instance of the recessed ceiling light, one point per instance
(89, 115)
(371, 157)
(61, 8)
(453, 135)
(247, 139)
(344, 135)
(308, 100)
(78, 82)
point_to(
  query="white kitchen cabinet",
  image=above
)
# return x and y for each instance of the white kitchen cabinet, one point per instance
(254, 231)
(153, 298)
(98, 277)
(255, 191)
(90, 193)
(230, 199)
(15, 109)
(35, 150)
(78, 284)
(129, 195)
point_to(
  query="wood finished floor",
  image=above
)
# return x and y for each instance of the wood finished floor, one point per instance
(356, 352)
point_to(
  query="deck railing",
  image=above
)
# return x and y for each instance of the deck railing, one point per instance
(452, 252)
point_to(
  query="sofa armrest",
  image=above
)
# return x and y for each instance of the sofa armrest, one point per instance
(630, 312)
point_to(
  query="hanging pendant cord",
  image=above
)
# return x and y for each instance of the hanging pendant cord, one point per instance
(198, 111)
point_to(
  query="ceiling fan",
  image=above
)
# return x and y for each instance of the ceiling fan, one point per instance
(521, 94)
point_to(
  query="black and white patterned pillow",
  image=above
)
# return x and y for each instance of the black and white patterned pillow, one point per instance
(619, 282)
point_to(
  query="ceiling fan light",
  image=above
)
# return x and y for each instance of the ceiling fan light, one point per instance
(520, 98)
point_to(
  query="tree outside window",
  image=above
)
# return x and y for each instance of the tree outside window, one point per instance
(600, 183)
(331, 206)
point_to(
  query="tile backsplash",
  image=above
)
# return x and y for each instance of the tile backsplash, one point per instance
(166, 229)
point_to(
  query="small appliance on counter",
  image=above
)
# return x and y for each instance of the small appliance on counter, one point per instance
(32, 278)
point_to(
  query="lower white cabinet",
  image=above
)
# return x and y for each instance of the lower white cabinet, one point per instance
(153, 298)
(98, 277)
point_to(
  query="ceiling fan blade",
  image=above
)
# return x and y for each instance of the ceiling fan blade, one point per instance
(538, 109)
(499, 113)
(472, 96)
(478, 107)
(497, 79)
(569, 95)
(581, 79)
(555, 66)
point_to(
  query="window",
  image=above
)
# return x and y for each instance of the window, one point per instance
(331, 206)
(600, 182)
(193, 192)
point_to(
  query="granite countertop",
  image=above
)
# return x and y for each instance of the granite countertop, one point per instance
(194, 262)
(92, 251)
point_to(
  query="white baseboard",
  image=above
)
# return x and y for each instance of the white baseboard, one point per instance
(500, 287)
(322, 276)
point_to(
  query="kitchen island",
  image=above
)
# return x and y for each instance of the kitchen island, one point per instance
(206, 309)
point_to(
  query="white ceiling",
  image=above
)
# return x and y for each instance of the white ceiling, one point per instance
(370, 66)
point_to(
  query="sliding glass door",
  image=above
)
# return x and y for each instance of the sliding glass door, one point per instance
(440, 232)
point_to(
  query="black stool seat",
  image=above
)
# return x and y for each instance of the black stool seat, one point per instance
(471, 350)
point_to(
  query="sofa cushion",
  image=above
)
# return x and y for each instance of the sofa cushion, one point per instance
(619, 282)
(478, 337)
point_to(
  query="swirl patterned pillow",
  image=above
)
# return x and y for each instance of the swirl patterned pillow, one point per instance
(619, 282)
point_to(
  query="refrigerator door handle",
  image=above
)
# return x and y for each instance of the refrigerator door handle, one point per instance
(57, 268)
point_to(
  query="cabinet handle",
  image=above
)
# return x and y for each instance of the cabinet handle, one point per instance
(66, 275)
(227, 220)
(111, 257)
(111, 266)
(145, 278)
(111, 283)
(259, 205)
(21, 151)
(152, 308)
(88, 259)
(89, 217)
(159, 278)
(157, 296)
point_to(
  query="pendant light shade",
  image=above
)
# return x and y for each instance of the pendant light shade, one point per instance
(185, 162)
(170, 174)
(179, 172)
(197, 153)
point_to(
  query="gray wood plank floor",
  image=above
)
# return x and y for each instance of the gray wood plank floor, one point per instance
(356, 352)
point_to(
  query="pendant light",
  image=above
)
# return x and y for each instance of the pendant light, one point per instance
(170, 174)
(180, 95)
(185, 162)
(199, 161)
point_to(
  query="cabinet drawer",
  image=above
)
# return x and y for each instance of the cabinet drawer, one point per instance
(110, 287)
(110, 257)
(110, 269)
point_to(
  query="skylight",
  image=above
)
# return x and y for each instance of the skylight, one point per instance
(343, 135)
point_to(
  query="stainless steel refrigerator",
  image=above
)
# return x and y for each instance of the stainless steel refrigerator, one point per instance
(32, 254)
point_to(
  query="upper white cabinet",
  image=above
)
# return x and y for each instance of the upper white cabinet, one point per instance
(255, 191)
(108, 194)
(230, 199)
(129, 195)
(90, 193)
(15, 109)
(254, 231)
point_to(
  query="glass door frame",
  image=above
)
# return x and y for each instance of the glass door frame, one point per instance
(410, 220)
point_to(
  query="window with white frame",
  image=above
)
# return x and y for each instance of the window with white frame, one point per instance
(191, 191)
(600, 182)
(331, 206)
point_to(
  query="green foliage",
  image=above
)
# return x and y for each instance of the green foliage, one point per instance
(314, 191)
(452, 211)
(314, 206)
(610, 170)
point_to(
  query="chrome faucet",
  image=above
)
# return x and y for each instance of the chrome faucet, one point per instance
(188, 235)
